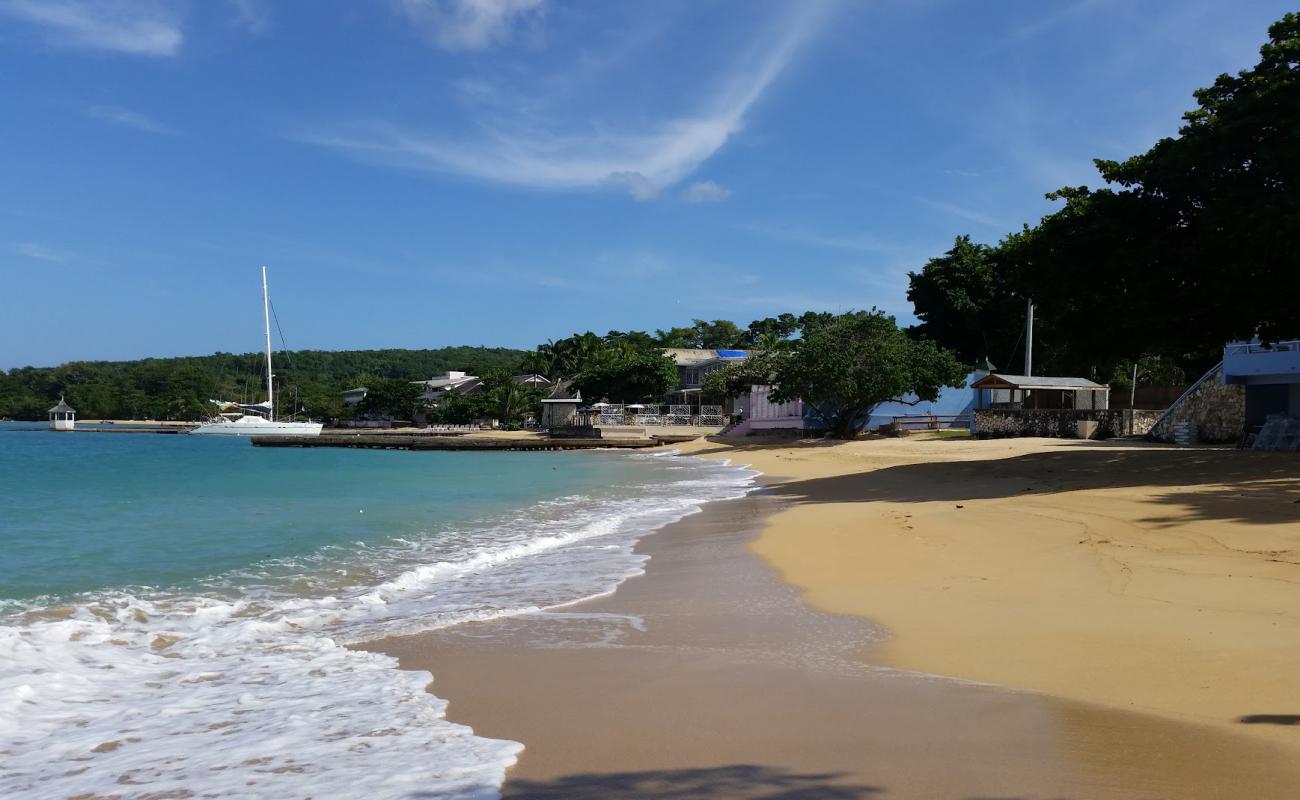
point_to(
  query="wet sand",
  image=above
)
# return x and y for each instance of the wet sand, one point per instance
(708, 678)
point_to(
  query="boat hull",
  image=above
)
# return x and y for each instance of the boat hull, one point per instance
(256, 426)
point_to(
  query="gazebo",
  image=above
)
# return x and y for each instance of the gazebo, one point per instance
(63, 416)
(1035, 392)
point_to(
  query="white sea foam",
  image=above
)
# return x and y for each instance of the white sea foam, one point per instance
(246, 690)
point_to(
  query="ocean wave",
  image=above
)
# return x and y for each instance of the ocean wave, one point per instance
(246, 687)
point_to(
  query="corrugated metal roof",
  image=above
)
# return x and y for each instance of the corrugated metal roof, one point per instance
(1036, 382)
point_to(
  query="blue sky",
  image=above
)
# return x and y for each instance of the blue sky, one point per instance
(419, 173)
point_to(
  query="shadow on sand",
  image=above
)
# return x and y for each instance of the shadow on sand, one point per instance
(1270, 719)
(1220, 485)
(733, 782)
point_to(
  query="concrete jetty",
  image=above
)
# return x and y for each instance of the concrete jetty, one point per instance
(427, 442)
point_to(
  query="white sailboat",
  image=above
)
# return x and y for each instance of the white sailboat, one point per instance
(255, 424)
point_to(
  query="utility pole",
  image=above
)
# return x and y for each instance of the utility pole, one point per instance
(1029, 339)
(1133, 389)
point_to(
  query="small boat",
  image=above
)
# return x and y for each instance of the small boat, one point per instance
(261, 422)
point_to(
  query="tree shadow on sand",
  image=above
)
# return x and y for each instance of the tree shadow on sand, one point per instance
(733, 782)
(1220, 485)
(1270, 719)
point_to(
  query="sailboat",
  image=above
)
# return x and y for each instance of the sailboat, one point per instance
(261, 422)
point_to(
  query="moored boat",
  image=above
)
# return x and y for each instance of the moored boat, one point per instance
(254, 423)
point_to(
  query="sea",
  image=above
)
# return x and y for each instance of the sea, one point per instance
(175, 610)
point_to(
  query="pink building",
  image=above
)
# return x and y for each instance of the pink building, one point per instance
(761, 414)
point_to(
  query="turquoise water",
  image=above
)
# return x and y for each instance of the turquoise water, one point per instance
(174, 610)
(86, 511)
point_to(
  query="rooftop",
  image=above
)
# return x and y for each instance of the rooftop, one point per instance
(998, 380)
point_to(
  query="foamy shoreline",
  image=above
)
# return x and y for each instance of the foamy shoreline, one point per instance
(727, 685)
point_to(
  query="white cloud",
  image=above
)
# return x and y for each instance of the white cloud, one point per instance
(469, 24)
(125, 118)
(970, 215)
(252, 15)
(39, 252)
(121, 26)
(862, 243)
(526, 149)
(705, 192)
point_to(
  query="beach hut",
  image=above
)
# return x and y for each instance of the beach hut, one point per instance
(63, 416)
(560, 410)
(1038, 392)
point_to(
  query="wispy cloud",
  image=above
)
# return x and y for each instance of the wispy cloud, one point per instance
(39, 252)
(469, 24)
(252, 15)
(126, 118)
(1059, 14)
(860, 243)
(643, 157)
(963, 173)
(139, 27)
(970, 215)
(705, 192)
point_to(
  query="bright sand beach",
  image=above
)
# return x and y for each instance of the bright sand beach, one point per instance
(1109, 621)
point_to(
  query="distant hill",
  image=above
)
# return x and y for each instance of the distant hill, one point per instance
(180, 388)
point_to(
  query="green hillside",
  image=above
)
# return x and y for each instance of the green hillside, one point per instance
(180, 388)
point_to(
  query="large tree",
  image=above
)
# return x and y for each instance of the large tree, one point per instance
(965, 301)
(627, 376)
(1203, 226)
(844, 367)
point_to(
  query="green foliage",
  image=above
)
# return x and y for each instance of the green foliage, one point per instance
(1205, 224)
(736, 379)
(626, 376)
(963, 299)
(1151, 371)
(847, 365)
(391, 398)
(501, 398)
(307, 381)
(718, 334)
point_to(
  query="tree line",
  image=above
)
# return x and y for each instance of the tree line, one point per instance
(308, 382)
(1189, 245)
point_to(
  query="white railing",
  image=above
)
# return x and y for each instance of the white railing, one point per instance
(649, 415)
(711, 416)
(678, 415)
(613, 415)
(1237, 348)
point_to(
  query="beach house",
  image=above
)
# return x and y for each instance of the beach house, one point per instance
(1270, 375)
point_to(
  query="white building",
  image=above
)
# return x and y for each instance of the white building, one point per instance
(63, 417)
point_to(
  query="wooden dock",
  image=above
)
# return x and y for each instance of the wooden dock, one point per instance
(427, 442)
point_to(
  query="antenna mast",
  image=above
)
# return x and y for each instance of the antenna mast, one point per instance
(266, 319)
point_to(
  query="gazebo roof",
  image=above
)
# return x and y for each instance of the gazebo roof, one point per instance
(62, 407)
(997, 380)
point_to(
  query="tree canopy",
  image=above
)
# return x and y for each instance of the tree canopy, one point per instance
(844, 367)
(307, 381)
(1204, 225)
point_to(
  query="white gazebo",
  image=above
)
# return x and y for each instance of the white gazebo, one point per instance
(63, 416)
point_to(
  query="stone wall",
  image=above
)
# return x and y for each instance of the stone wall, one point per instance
(1218, 409)
(1060, 423)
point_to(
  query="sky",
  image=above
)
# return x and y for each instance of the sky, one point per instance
(422, 173)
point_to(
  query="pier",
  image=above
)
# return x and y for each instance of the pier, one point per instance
(390, 441)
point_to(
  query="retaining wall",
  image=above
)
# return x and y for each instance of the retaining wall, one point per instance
(1217, 408)
(1061, 423)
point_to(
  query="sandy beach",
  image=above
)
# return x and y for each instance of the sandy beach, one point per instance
(1108, 621)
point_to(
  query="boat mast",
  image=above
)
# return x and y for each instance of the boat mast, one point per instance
(266, 319)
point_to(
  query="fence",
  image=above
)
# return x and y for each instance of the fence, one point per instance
(649, 415)
(612, 414)
(678, 415)
(931, 422)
